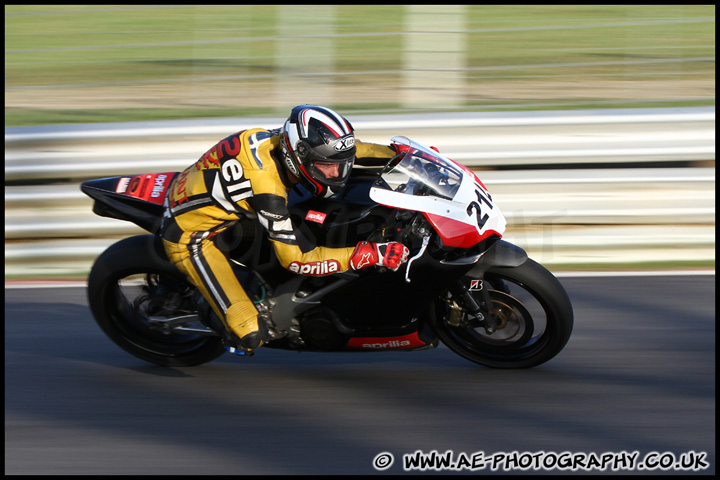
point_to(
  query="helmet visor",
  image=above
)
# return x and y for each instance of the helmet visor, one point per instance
(326, 164)
(330, 173)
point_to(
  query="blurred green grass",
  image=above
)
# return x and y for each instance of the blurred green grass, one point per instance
(538, 49)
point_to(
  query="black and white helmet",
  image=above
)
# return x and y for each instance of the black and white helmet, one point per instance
(314, 134)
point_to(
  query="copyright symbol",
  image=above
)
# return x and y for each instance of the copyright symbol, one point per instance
(383, 461)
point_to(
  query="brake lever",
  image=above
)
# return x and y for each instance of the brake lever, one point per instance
(423, 247)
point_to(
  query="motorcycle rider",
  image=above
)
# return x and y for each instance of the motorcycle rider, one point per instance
(253, 171)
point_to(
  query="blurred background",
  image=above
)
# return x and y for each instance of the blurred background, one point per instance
(71, 64)
(592, 125)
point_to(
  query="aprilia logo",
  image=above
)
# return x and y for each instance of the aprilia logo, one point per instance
(390, 344)
(317, 217)
(325, 267)
(404, 342)
(159, 188)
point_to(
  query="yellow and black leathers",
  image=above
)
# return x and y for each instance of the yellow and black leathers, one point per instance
(241, 173)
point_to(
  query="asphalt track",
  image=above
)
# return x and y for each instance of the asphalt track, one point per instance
(637, 377)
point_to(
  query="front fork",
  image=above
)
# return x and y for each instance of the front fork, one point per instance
(465, 310)
(478, 313)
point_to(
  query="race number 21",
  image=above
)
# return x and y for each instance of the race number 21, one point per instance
(482, 197)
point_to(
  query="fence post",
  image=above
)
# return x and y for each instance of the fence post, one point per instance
(434, 58)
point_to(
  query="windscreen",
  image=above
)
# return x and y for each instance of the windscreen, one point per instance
(453, 200)
(421, 174)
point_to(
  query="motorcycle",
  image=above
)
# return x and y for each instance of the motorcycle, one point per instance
(462, 286)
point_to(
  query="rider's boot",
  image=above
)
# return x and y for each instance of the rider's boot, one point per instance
(233, 343)
(250, 332)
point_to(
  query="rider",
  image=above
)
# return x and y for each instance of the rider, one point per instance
(253, 171)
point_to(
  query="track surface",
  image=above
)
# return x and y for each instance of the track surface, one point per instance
(638, 375)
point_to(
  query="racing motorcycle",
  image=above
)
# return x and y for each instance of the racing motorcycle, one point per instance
(462, 286)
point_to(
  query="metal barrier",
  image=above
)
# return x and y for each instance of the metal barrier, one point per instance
(562, 213)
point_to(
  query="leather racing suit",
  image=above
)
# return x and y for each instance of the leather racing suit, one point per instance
(242, 172)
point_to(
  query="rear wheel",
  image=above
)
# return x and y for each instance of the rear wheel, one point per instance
(132, 281)
(531, 313)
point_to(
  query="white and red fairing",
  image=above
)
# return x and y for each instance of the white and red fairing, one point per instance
(450, 196)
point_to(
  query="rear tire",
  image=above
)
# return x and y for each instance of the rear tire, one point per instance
(134, 278)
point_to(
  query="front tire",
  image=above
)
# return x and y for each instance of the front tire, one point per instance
(133, 279)
(533, 313)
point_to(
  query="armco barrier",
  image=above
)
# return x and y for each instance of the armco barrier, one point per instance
(662, 209)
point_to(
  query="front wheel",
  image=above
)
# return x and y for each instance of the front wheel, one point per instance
(132, 281)
(531, 315)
